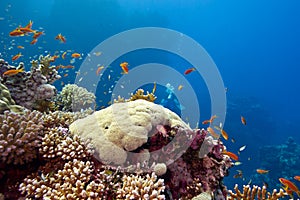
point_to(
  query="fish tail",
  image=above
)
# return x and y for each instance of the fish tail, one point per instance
(298, 193)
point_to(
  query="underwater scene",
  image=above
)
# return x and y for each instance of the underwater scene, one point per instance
(149, 99)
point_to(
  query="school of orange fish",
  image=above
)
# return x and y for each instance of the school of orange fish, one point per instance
(27, 30)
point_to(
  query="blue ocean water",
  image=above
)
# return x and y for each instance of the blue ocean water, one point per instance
(255, 45)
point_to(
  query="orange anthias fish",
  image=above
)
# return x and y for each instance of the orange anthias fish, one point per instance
(13, 72)
(53, 58)
(212, 132)
(20, 47)
(99, 70)
(124, 66)
(189, 70)
(224, 134)
(37, 34)
(209, 120)
(243, 120)
(33, 41)
(289, 185)
(297, 178)
(61, 38)
(233, 156)
(262, 171)
(75, 55)
(63, 56)
(16, 32)
(16, 57)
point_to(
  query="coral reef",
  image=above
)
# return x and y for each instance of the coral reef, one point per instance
(20, 136)
(6, 102)
(124, 127)
(137, 187)
(74, 181)
(57, 143)
(255, 193)
(29, 89)
(75, 98)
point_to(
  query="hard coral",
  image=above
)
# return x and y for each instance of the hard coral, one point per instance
(124, 127)
(255, 193)
(77, 180)
(28, 89)
(58, 143)
(20, 136)
(75, 98)
(138, 187)
(6, 102)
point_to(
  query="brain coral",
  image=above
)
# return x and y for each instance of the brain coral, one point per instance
(123, 127)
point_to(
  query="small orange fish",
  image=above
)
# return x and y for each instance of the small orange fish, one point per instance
(12, 72)
(16, 32)
(99, 70)
(61, 38)
(26, 30)
(262, 171)
(33, 41)
(243, 120)
(212, 132)
(290, 185)
(210, 120)
(20, 47)
(124, 66)
(224, 134)
(75, 55)
(53, 58)
(16, 57)
(297, 178)
(67, 67)
(189, 70)
(37, 34)
(63, 56)
(233, 156)
(65, 75)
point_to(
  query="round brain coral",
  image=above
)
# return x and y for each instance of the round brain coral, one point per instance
(123, 127)
(20, 136)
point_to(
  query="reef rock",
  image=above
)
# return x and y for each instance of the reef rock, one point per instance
(124, 127)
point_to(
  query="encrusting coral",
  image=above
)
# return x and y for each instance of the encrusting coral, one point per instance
(255, 192)
(20, 136)
(75, 98)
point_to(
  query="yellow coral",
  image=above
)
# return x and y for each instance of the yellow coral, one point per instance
(255, 192)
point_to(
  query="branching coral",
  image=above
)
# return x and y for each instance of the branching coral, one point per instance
(75, 98)
(58, 143)
(20, 136)
(138, 187)
(255, 192)
(140, 95)
(64, 119)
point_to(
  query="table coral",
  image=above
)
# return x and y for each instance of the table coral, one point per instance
(20, 136)
(124, 127)
(30, 88)
(75, 98)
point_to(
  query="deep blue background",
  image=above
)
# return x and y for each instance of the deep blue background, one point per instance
(254, 43)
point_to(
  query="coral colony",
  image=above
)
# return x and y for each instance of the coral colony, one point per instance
(51, 149)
